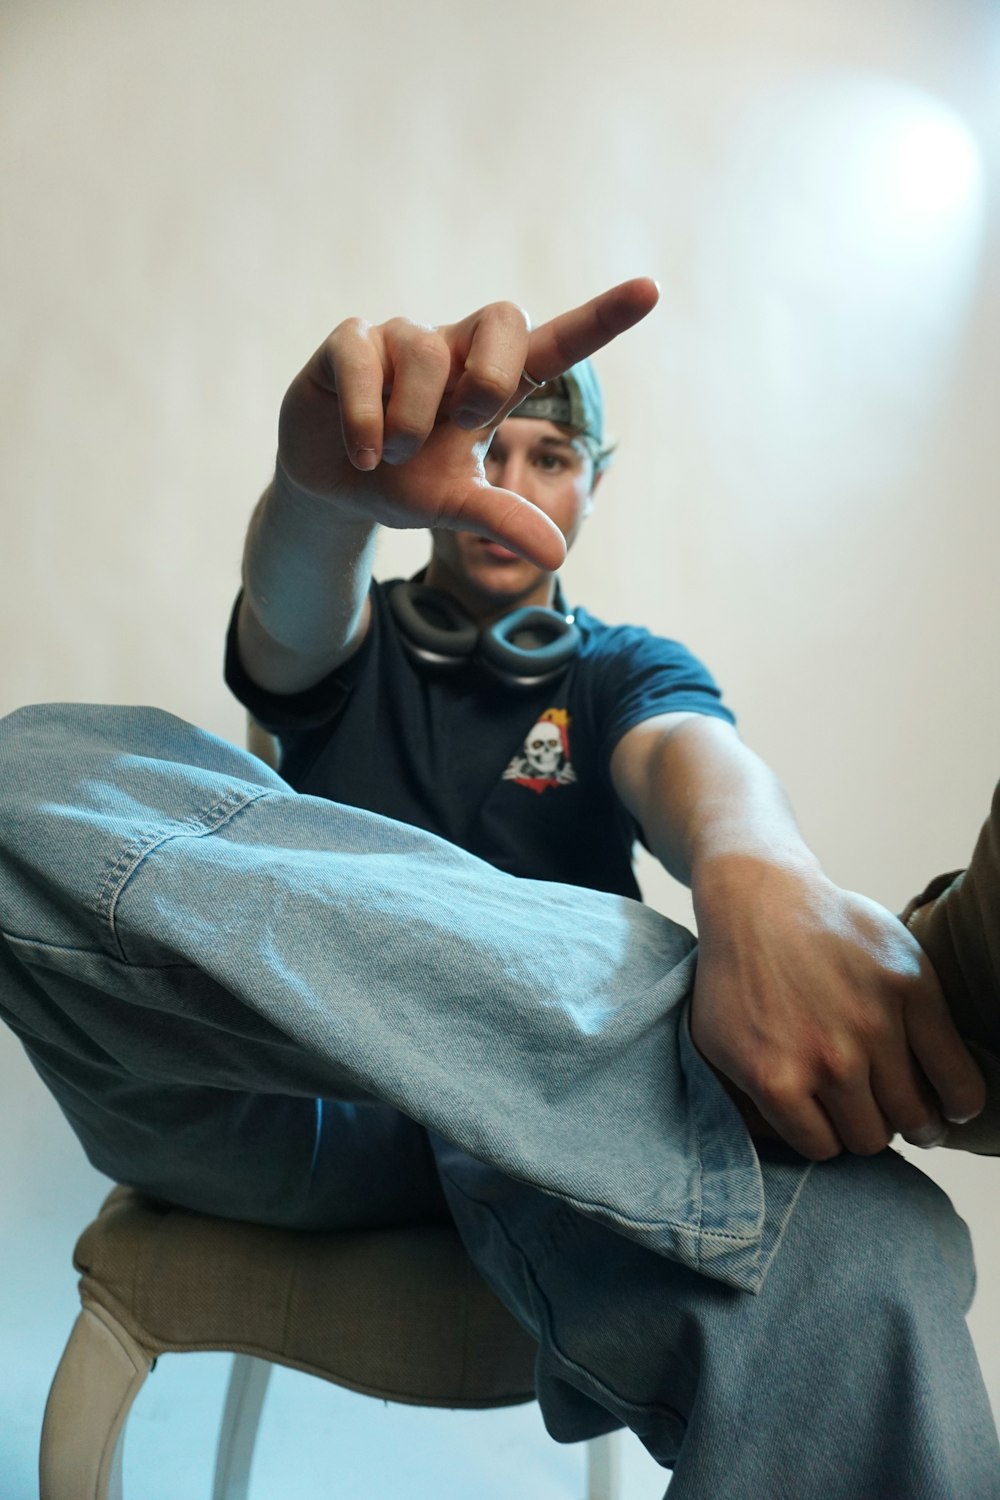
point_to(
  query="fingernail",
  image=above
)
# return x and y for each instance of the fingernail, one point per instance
(927, 1137)
(960, 1119)
(399, 451)
(364, 458)
(466, 418)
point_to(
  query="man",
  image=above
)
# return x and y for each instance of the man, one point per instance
(194, 956)
(811, 1000)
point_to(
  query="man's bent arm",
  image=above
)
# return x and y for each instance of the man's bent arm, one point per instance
(812, 1000)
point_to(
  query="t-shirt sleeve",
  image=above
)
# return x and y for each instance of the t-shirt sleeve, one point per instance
(634, 676)
(280, 712)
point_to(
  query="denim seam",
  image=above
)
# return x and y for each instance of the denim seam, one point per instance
(609, 1215)
(546, 1305)
(40, 945)
(782, 1229)
(685, 1226)
(197, 825)
(700, 1194)
(563, 1225)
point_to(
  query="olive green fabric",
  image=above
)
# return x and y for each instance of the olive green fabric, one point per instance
(956, 921)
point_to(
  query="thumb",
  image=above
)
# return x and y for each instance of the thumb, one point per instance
(510, 520)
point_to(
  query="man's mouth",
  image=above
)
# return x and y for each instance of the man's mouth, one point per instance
(497, 551)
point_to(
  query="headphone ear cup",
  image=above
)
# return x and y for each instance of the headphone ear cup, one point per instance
(529, 645)
(434, 629)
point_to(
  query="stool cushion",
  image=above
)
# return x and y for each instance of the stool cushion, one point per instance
(398, 1313)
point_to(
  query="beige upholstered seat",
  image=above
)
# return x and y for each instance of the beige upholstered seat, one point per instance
(401, 1314)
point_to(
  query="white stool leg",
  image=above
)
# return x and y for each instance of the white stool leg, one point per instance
(244, 1399)
(83, 1431)
(604, 1476)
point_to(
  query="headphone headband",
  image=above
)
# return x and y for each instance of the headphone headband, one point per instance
(522, 649)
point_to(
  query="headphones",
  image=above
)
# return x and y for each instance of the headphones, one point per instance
(523, 649)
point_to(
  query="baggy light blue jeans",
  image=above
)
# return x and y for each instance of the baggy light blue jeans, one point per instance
(275, 1008)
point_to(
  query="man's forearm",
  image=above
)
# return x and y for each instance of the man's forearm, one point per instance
(704, 800)
(306, 572)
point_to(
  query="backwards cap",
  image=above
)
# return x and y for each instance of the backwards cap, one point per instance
(572, 400)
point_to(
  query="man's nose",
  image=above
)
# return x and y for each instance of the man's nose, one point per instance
(512, 474)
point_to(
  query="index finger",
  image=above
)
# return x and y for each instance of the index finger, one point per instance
(572, 336)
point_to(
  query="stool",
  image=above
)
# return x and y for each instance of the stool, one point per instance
(401, 1314)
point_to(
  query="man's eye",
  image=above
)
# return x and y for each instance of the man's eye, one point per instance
(552, 463)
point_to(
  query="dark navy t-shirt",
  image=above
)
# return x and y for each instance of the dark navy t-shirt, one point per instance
(519, 777)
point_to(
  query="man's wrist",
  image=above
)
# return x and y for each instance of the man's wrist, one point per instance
(289, 498)
(725, 877)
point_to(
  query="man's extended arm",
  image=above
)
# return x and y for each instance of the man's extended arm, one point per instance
(306, 570)
(389, 425)
(813, 1001)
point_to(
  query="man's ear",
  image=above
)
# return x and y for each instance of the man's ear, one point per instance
(598, 476)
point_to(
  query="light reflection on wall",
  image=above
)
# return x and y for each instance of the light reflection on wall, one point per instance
(840, 253)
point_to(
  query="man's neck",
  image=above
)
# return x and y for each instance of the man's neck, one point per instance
(485, 609)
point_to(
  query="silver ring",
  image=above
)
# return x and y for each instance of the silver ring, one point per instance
(530, 380)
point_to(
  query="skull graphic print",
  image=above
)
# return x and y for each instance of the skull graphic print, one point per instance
(543, 759)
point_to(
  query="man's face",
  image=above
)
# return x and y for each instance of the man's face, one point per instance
(544, 464)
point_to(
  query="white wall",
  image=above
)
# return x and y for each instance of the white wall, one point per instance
(195, 194)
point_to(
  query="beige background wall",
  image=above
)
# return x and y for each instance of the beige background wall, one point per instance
(195, 193)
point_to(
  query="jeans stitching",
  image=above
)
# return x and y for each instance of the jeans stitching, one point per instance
(197, 825)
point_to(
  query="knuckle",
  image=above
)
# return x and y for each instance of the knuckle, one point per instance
(410, 413)
(416, 344)
(396, 328)
(361, 418)
(904, 990)
(348, 331)
(511, 314)
(837, 1066)
(428, 348)
(491, 382)
(776, 1095)
(874, 1026)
